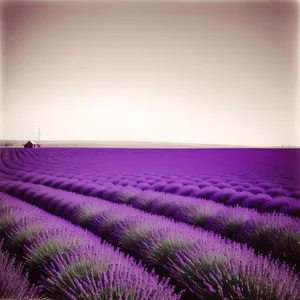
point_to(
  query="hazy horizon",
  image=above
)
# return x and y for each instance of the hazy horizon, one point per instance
(196, 73)
(131, 144)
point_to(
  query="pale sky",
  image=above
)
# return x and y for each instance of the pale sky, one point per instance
(174, 72)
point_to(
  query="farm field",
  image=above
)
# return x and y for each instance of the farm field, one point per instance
(114, 223)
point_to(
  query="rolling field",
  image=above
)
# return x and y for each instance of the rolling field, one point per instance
(114, 223)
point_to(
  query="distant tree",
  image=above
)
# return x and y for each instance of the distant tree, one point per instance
(6, 144)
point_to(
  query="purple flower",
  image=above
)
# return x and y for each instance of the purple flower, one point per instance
(276, 192)
(256, 201)
(223, 196)
(14, 282)
(207, 192)
(215, 271)
(172, 188)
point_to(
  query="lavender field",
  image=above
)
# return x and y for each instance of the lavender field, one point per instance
(153, 224)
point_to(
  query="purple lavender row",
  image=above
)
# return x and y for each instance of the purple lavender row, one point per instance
(259, 202)
(14, 284)
(72, 263)
(281, 170)
(253, 198)
(214, 268)
(266, 233)
(192, 186)
(212, 187)
(247, 195)
(277, 234)
(279, 165)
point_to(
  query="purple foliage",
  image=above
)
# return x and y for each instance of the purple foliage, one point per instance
(223, 196)
(215, 271)
(274, 192)
(97, 191)
(277, 234)
(239, 198)
(172, 188)
(91, 272)
(207, 192)
(222, 185)
(255, 190)
(144, 186)
(189, 190)
(159, 186)
(292, 209)
(184, 181)
(276, 204)
(295, 194)
(173, 183)
(203, 184)
(206, 214)
(86, 260)
(256, 201)
(14, 282)
(124, 195)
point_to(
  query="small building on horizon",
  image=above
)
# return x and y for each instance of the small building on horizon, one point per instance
(32, 144)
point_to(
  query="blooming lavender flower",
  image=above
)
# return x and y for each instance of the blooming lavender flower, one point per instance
(144, 186)
(37, 179)
(87, 189)
(222, 185)
(119, 283)
(265, 185)
(158, 186)
(255, 190)
(97, 191)
(197, 214)
(276, 192)
(56, 181)
(97, 216)
(238, 198)
(173, 188)
(14, 279)
(81, 261)
(183, 181)
(11, 213)
(67, 183)
(203, 184)
(278, 235)
(189, 190)
(276, 204)
(125, 195)
(127, 182)
(233, 183)
(292, 209)
(295, 194)
(256, 201)
(43, 248)
(214, 271)
(223, 196)
(207, 192)
(229, 222)
(85, 213)
(144, 200)
(31, 221)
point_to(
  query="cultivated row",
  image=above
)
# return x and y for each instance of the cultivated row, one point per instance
(207, 265)
(200, 185)
(228, 197)
(276, 234)
(14, 282)
(72, 263)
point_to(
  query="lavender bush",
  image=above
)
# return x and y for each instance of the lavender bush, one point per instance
(14, 284)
